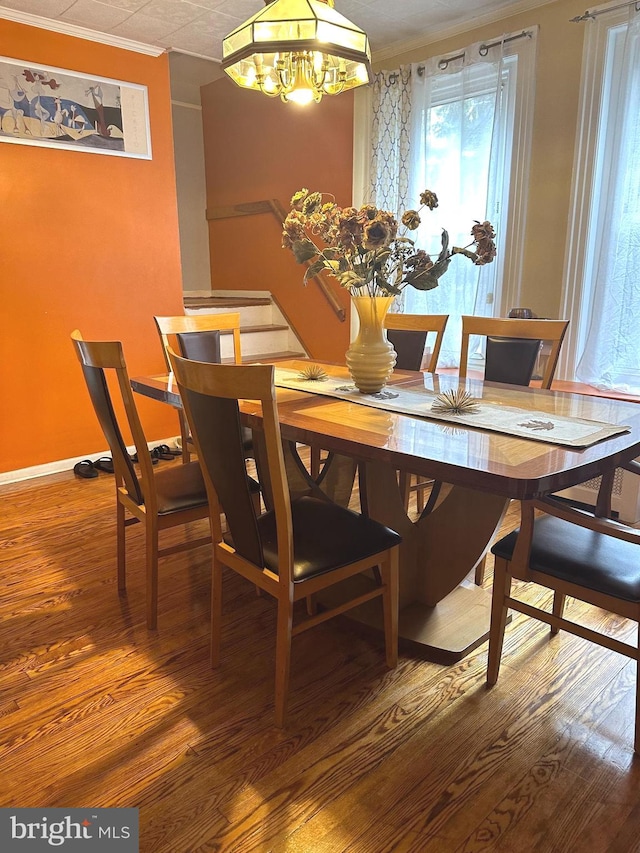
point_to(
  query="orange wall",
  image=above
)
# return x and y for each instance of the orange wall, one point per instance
(87, 241)
(259, 148)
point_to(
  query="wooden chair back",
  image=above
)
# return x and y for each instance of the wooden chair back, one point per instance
(169, 327)
(179, 333)
(211, 400)
(96, 358)
(408, 334)
(543, 330)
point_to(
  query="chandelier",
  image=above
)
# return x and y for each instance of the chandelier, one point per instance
(299, 50)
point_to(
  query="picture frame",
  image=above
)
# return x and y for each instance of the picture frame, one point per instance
(58, 108)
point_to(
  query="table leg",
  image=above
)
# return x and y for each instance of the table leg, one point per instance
(439, 619)
(336, 477)
(335, 482)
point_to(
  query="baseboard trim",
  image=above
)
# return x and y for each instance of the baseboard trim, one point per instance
(60, 465)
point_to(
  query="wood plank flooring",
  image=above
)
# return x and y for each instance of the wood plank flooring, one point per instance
(97, 711)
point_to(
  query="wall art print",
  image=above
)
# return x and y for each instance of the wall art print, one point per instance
(57, 108)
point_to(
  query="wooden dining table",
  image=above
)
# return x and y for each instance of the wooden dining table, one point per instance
(443, 616)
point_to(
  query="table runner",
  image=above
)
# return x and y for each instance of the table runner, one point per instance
(494, 417)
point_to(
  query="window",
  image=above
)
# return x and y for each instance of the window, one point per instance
(453, 125)
(459, 123)
(602, 289)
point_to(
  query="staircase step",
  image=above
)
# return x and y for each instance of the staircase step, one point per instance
(200, 302)
(267, 357)
(265, 327)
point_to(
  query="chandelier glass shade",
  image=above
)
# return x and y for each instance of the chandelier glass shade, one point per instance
(298, 50)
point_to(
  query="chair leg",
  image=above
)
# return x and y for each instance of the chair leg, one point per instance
(636, 731)
(501, 591)
(389, 570)
(283, 658)
(184, 435)
(480, 569)
(216, 612)
(257, 508)
(558, 608)
(121, 546)
(151, 533)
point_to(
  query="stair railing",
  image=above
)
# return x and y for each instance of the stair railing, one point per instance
(273, 206)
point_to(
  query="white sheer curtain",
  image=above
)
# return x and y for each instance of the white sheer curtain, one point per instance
(611, 356)
(462, 112)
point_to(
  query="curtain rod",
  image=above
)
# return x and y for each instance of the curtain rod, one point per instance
(591, 16)
(483, 50)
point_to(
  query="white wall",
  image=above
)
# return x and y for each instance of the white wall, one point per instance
(188, 74)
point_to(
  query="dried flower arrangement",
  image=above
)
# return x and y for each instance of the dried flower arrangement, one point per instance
(364, 250)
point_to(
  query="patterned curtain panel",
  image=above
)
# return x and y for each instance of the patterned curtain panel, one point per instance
(390, 130)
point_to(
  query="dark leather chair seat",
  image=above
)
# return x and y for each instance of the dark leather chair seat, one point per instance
(353, 537)
(565, 551)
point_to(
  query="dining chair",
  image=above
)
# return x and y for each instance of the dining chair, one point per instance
(159, 499)
(509, 329)
(409, 334)
(512, 349)
(294, 550)
(197, 336)
(573, 553)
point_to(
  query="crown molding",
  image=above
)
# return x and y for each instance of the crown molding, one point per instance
(194, 55)
(400, 48)
(79, 32)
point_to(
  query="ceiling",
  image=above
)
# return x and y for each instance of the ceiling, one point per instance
(198, 26)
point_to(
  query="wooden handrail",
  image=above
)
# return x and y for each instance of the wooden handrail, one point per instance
(273, 206)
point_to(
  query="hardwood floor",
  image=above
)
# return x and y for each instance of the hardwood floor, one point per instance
(97, 711)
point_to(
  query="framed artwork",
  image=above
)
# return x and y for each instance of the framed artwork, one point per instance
(41, 105)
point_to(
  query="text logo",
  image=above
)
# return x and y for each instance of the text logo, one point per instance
(73, 830)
